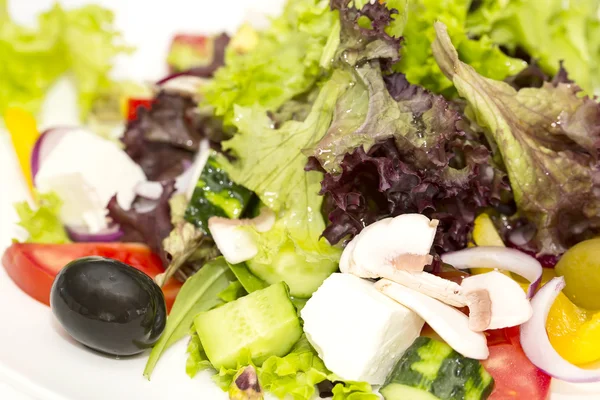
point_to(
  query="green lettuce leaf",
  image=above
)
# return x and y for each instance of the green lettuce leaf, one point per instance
(547, 30)
(234, 291)
(353, 391)
(197, 359)
(417, 61)
(368, 114)
(43, 223)
(270, 162)
(82, 41)
(285, 61)
(548, 138)
(295, 375)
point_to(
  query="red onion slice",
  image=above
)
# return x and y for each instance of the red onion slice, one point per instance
(80, 234)
(537, 346)
(43, 145)
(502, 258)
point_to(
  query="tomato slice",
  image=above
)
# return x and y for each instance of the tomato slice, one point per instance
(514, 375)
(33, 266)
(133, 104)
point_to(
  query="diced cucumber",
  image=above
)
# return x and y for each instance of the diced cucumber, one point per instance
(432, 367)
(397, 391)
(263, 323)
(288, 266)
(215, 195)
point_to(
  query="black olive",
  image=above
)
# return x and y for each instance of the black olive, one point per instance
(108, 306)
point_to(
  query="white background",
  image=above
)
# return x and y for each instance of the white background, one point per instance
(37, 360)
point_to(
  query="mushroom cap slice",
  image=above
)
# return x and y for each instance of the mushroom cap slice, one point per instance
(509, 304)
(448, 322)
(399, 243)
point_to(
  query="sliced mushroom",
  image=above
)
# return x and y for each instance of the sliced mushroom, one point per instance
(235, 241)
(508, 304)
(448, 322)
(480, 310)
(441, 289)
(401, 243)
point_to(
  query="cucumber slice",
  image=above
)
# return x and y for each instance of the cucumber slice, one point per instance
(433, 367)
(397, 391)
(287, 266)
(215, 195)
(264, 323)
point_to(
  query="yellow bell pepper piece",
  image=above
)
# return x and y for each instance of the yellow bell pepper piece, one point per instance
(23, 133)
(574, 332)
(485, 234)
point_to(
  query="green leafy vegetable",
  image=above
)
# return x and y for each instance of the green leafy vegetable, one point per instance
(197, 360)
(42, 223)
(270, 162)
(249, 281)
(198, 293)
(284, 63)
(234, 291)
(354, 391)
(548, 31)
(549, 139)
(295, 376)
(82, 41)
(181, 244)
(367, 114)
(417, 60)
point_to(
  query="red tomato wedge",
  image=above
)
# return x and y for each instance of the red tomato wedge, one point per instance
(514, 375)
(33, 266)
(134, 104)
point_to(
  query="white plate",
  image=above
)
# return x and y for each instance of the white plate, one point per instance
(37, 359)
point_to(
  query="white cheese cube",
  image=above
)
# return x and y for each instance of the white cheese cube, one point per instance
(359, 332)
(85, 171)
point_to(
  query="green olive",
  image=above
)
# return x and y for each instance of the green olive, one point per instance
(580, 266)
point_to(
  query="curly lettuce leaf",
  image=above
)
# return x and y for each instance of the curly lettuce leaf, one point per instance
(270, 162)
(197, 359)
(417, 61)
(43, 223)
(548, 31)
(82, 41)
(368, 114)
(295, 375)
(284, 62)
(549, 139)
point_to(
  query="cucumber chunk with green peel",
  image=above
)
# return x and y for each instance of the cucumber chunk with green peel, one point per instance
(397, 391)
(215, 195)
(288, 266)
(263, 324)
(430, 369)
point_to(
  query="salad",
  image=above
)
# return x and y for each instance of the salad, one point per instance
(364, 199)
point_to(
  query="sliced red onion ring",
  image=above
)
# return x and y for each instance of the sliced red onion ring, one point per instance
(44, 144)
(537, 346)
(502, 258)
(80, 234)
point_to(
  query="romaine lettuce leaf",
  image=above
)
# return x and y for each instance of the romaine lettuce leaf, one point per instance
(82, 40)
(285, 61)
(417, 61)
(548, 30)
(549, 139)
(43, 223)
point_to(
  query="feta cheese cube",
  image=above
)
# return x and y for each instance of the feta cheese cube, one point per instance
(359, 332)
(85, 171)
